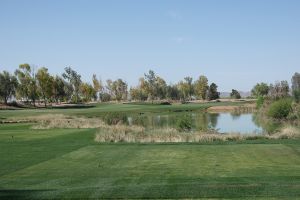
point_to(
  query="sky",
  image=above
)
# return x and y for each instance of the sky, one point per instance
(235, 43)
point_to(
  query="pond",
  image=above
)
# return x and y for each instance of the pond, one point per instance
(245, 123)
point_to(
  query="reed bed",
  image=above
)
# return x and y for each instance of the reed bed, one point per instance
(63, 121)
(126, 134)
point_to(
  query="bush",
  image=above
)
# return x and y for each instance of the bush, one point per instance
(105, 97)
(184, 123)
(295, 114)
(113, 118)
(260, 102)
(165, 103)
(280, 109)
(296, 95)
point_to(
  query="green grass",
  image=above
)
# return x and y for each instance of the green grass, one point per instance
(101, 108)
(67, 163)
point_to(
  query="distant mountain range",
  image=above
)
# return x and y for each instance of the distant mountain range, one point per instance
(227, 94)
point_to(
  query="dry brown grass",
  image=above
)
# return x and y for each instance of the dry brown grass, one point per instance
(63, 121)
(165, 136)
(139, 135)
(287, 132)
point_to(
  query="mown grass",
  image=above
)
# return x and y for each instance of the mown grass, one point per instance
(67, 163)
(102, 108)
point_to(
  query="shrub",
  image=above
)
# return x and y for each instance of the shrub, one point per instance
(296, 95)
(113, 118)
(295, 114)
(105, 97)
(280, 109)
(235, 94)
(184, 123)
(260, 102)
(165, 103)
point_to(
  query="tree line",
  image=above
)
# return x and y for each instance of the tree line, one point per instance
(278, 90)
(31, 86)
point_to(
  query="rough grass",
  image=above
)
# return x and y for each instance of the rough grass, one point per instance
(288, 132)
(168, 135)
(62, 121)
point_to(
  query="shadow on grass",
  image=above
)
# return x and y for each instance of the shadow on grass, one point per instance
(21, 193)
(68, 106)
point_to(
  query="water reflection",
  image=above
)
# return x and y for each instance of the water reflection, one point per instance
(223, 122)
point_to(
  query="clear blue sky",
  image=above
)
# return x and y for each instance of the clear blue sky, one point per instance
(234, 43)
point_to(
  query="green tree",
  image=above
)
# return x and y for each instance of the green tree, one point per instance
(213, 92)
(280, 109)
(59, 89)
(98, 87)
(109, 87)
(8, 85)
(45, 84)
(172, 92)
(188, 82)
(140, 92)
(235, 94)
(75, 81)
(183, 90)
(155, 86)
(160, 88)
(27, 81)
(105, 97)
(137, 93)
(87, 91)
(119, 89)
(260, 89)
(150, 85)
(296, 87)
(201, 87)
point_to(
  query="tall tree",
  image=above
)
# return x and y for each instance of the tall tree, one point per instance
(201, 87)
(87, 91)
(183, 90)
(260, 89)
(109, 87)
(45, 84)
(160, 87)
(140, 92)
(8, 85)
(75, 80)
(27, 80)
(98, 87)
(189, 86)
(213, 93)
(150, 79)
(136, 93)
(296, 86)
(119, 89)
(172, 92)
(279, 90)
(59, 92)
(235, 94)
